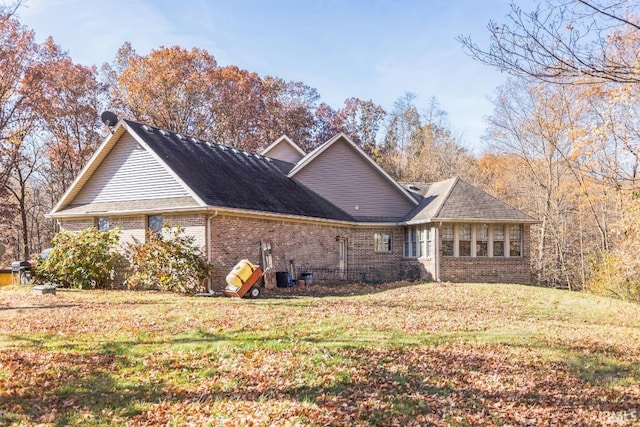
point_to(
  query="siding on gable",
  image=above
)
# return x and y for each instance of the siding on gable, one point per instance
(129, 172)
(285, 152)
(347, 180)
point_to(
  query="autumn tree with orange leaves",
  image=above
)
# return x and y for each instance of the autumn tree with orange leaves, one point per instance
(48, 129)
(185, 91)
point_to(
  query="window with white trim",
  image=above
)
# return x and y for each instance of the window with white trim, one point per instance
(417, 242)
(448, 239)
(414, 242)
(427, 242)
(382, 242)
(515, 240)
(482, 240)
(498, 240)
(464, 240)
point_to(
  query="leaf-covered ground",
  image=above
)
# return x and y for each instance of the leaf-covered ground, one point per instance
(393, 355)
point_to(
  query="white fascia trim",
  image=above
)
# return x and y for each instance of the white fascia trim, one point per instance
(126, 212)
(468, 220)
(315, 153)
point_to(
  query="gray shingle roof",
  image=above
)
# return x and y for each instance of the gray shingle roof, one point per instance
(231, 178)
(456, 200)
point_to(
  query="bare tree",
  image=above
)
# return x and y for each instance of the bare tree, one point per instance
(565, 41)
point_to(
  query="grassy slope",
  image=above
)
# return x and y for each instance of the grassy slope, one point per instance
(432, 354)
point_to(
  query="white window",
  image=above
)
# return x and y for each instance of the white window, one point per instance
(427, 249)
(464, 240)
(382, 242)
(416, 242)
(498, 240)
(447, 239)
(515, 240)
(482, 240)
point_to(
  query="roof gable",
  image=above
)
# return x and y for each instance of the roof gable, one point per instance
(342, 173)
(455, 200)
(284, 149)
(226, 177)
(89, 187)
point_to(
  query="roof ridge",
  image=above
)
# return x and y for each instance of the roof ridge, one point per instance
(185, 136)
(446, 197)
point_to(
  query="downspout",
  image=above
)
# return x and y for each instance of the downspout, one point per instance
(436, 255)
(207, 242)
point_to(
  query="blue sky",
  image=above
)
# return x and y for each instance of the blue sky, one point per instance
(373, 49)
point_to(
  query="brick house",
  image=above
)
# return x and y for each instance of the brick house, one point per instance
(333, 212)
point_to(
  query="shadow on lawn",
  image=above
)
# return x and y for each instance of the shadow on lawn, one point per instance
(37, 307)
(333, 290)
(372, 386)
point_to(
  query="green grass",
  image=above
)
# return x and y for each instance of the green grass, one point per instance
(434, 354)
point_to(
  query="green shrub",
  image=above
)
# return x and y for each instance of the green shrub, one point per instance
(170, 264)
(81, 260)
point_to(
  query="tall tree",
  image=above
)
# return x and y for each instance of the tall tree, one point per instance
(67, 100)
(18, 53)
(289, 109)
(187, 92)
(565, 42)
(172, 88)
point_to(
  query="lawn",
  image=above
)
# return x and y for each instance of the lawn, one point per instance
(400, 354)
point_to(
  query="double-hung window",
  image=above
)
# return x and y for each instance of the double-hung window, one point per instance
(382, 242)
(498, 240)
(448, 239)
(464, 240)
(515, 240)
(482, 240)
(417, 242)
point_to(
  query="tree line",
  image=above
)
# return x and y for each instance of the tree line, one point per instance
(561, 142)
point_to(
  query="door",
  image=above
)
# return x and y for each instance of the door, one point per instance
(342, 256)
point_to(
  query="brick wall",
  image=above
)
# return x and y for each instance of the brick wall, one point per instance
(491, 270)
(77, 224)
(313, 247)
(131, 227)
(193, 224)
